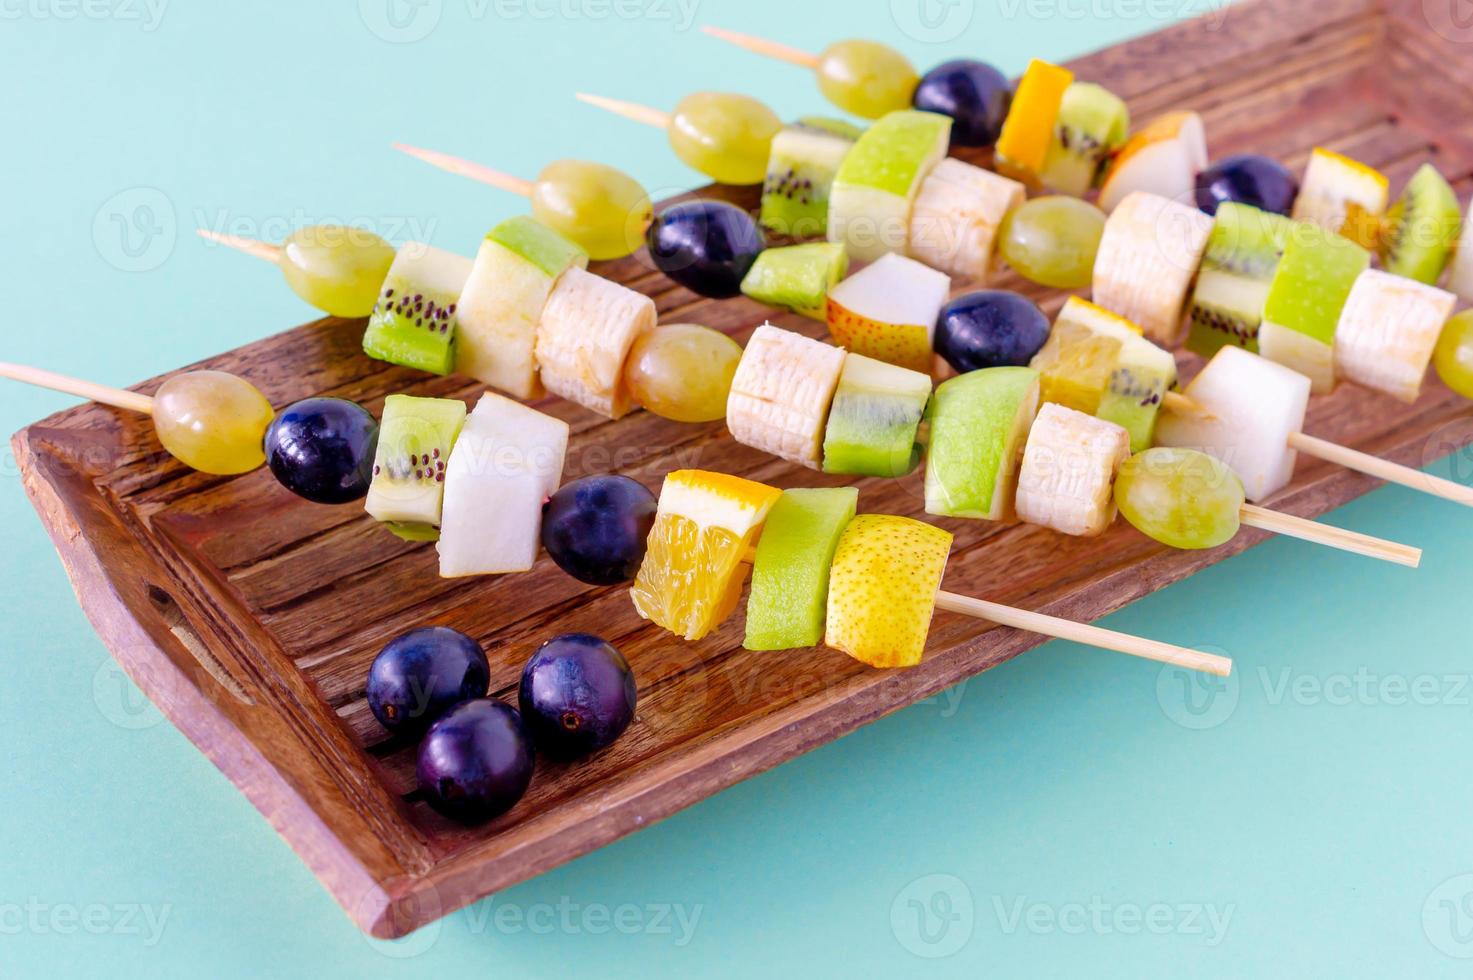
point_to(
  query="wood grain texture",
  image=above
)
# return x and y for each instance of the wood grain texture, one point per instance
(251, 617)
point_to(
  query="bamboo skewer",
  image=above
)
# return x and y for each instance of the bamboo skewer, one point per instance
(130, 401)
(629, 110)
(1067, 629)
(764, 47)
(466, 168)
(1332, 537)
(1351, 459)
(265, 251)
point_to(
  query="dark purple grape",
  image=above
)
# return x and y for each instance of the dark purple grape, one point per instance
(973, 93)
(577, 695)
(1247, 178)
(595, 528)
(476, 761)
(423, 674)
(990, 328)
(322, 449)
(706, 246)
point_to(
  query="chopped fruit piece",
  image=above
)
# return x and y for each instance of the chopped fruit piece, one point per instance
(1454, 354)
(1387, 332)
(413, 323)
(588, 327)
(888, 311)
(882, 588)
(1461, 279)
(1232, 286)
(1304, 301)
(797, 277)
(1180, 497)
(872, 424)
(1075, 365)
(1163, 158)
(1053, 241)
(1028, 132)
(502, 303)
(800, 172)
(507, 461)
(1147, 260)
(1093, 123)
(691, 577)
(682, 371)
(781, 393)
(870, 201)
(957, 216)
(415, 438)
(726, 137)
(1250, 408)
(1068, 471)
(790, 573)
(978, 424)
(1421, 228)
(866, 78)
(1343, 196)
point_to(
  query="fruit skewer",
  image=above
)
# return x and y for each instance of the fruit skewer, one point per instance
(865, 585)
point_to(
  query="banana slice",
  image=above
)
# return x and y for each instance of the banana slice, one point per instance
(587, 328)
(957, 215)
(1068, 472)
(1147, 261)
(781, 393)
(1387, 332)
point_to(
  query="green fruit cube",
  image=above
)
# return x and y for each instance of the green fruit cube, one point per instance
(790, 573)
(872, 424)
(538, 244)
(413, 322)
(979, 422)
(1313, 280)
(797, 277)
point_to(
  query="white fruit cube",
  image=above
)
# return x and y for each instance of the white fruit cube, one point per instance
(1250, 408)
(888, 310)
(507, 461)
(1387, 331)
(1067, 478)
(1460, 280)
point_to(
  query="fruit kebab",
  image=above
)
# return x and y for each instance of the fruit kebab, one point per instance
(820, 407)
(865, 585)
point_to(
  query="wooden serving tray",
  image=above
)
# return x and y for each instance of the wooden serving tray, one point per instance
(250, 617)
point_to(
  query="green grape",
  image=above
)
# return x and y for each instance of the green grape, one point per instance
(726, 137)
(212, 421)
(683, 371)
(866, 78)
(336, 268)
(601, 209)
(1053, 240)
(1180, 497)
(1454, 354)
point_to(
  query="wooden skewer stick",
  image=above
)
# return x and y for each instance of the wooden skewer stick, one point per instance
(764, 47)
(130, 401)
(1067, 629)
(629, 110)
(1330, 536)
(467, 168)
(1351, 459)
(261, 250)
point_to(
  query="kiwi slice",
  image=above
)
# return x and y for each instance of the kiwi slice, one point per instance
(800, 168)
(1243, 253)
(797, 277)
(414, 443)
(1421, 227)
(872, 424)
(413, 322)
(1092, 123)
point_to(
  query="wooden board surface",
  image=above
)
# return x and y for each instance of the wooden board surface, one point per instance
(251, 617)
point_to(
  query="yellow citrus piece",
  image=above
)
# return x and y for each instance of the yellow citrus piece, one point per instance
(882, 588)
(1075, 366)
(1097, 318)
(691, 577)
(1344, 196)
(1028, 130)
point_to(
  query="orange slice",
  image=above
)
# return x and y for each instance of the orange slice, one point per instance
(1028, 130)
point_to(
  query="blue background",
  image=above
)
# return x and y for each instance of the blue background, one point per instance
(1071, 813)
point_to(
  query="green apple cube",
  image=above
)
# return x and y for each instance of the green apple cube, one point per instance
(790, 573)
(797, 277)
(979, 422)
(869, 203)
(1309, 290)
(872, 424)
(501, 304)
